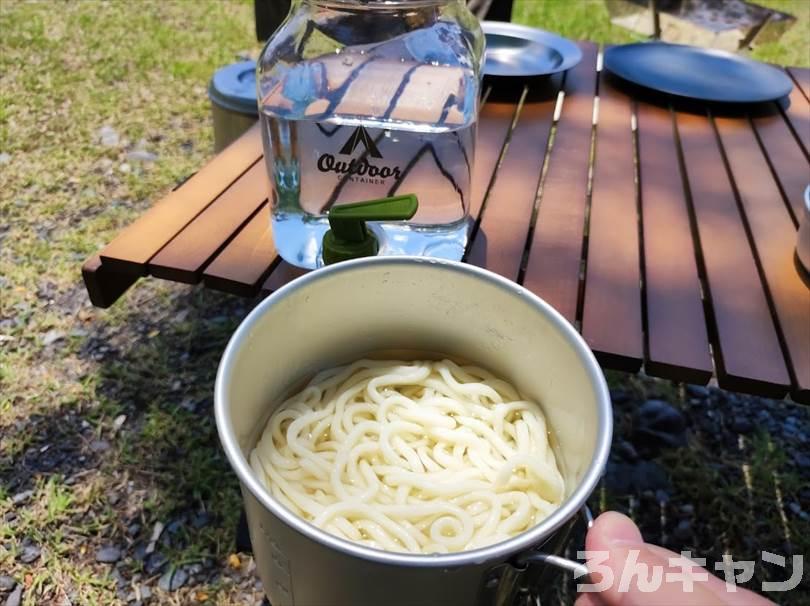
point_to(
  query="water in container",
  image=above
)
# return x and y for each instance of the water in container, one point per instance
(368, 99)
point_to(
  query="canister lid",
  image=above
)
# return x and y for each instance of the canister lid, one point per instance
(233, 87)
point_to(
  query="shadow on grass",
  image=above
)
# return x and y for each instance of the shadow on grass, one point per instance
(157, 442)
(150, 438)
(162, 379)
(60, 443)
(735, 488)
(138, 451)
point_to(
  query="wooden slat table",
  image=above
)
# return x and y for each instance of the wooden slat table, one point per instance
(664, 234)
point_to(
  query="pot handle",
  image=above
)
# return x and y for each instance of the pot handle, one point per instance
(578, 569)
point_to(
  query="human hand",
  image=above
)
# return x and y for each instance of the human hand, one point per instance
(617, 535)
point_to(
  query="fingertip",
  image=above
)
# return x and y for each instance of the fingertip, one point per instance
(613, 529)
(588, 599)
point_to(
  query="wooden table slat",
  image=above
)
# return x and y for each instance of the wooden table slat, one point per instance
(746, 350)
(494, 122)
(801, 75)
(501, 237)
(798, 115)
(185, 256)
(555, 253)
(787, 159)
(677, 340)
(243, 264)
(281, 275)
(140, 241)
(769, 223)
(103, 284)
(611, 315)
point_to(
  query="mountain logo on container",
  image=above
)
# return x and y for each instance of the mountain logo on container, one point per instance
(361, 169)
(360, 135)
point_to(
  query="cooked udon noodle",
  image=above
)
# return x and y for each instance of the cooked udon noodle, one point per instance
(419, 457)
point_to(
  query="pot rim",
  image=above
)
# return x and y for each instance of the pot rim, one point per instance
(498, 551)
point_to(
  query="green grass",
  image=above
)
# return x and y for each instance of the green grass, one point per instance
(589, 20)
(720, 487)
(66, 70)
(577, 19)
(794, 47)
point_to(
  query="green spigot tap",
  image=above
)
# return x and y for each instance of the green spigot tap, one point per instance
(349, 237)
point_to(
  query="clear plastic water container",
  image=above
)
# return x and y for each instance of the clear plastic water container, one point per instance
(365, 99)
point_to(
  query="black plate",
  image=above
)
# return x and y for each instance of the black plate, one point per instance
(517, 50)
(697, 73)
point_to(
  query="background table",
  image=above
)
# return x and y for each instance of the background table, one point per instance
(664, 232)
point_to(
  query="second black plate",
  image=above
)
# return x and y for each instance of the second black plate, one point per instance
(697, 73)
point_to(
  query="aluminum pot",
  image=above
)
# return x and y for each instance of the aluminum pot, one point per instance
(380, 305)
